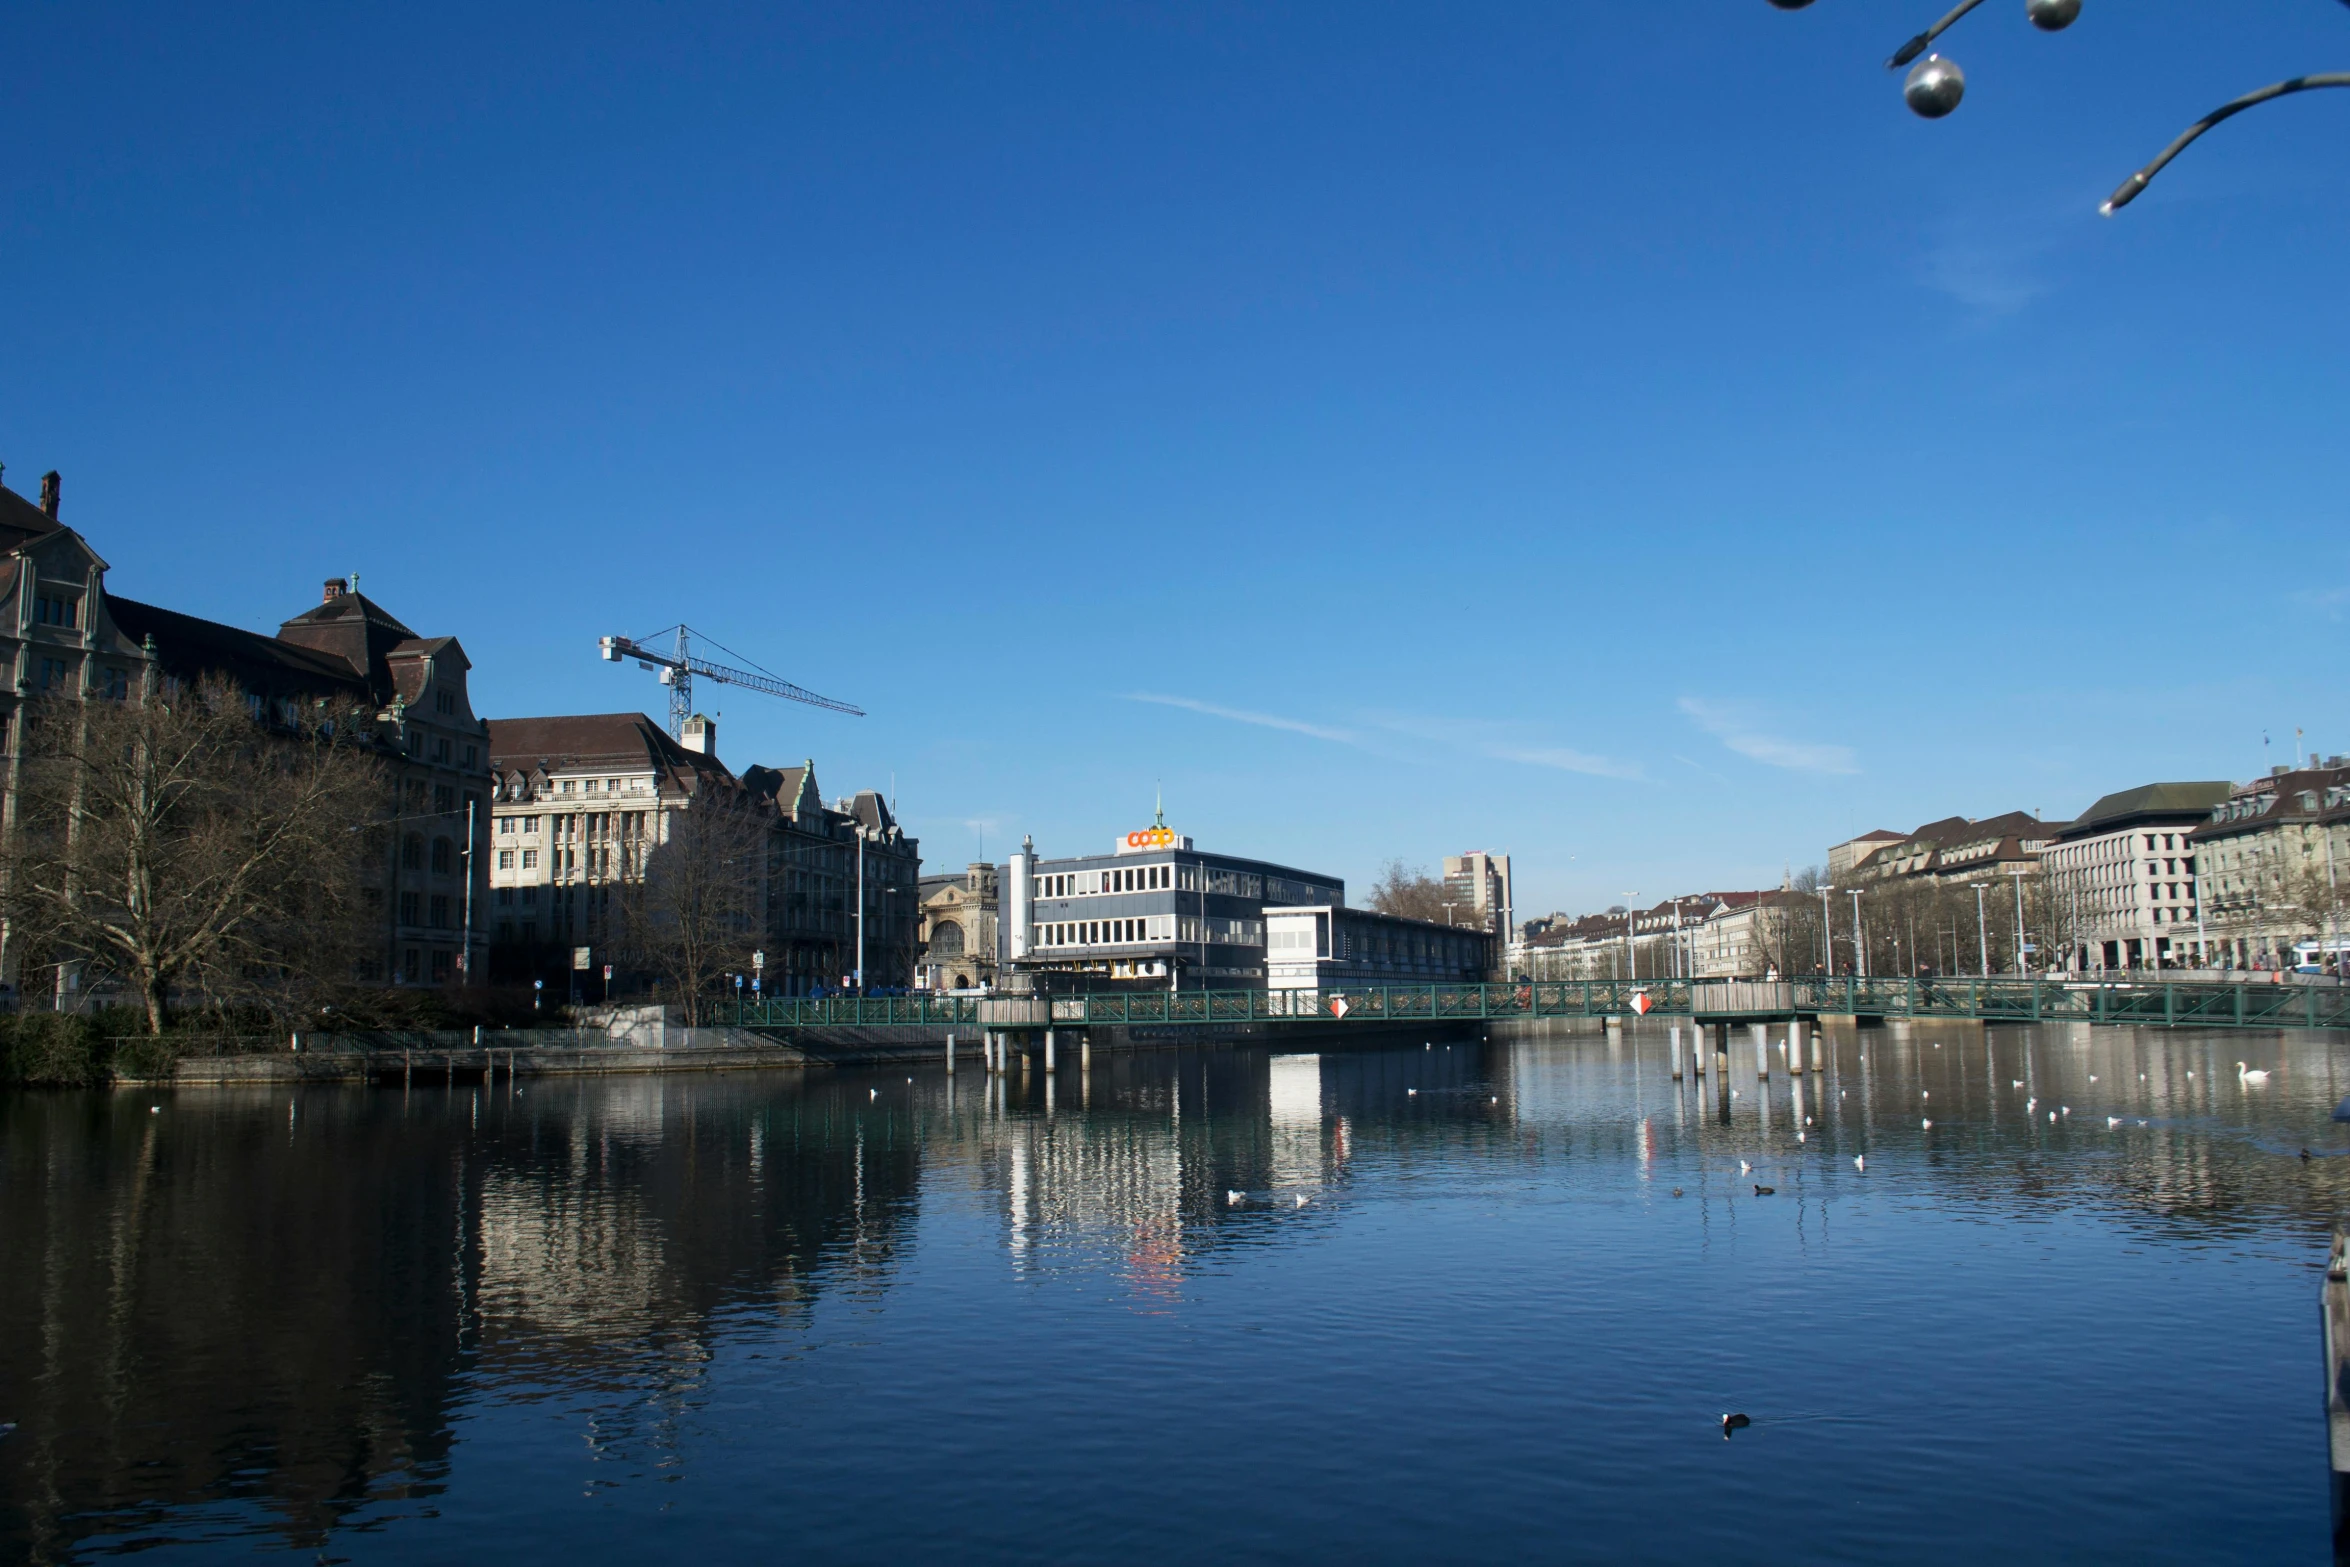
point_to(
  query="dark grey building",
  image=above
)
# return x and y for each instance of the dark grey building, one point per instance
(1153, 912)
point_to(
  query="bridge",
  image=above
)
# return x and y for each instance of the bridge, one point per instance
(2159, 1005)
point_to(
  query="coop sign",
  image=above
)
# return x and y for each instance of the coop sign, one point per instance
(1149, 839)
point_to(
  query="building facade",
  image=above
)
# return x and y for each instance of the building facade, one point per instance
(1331, 946)
(2124, 876)
(67, 635)
(583, 802)
(1153, 911)
(1480, 883)
(2273, 863)
(958, 936)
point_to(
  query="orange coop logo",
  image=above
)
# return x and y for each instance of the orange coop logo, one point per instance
(1151, 838)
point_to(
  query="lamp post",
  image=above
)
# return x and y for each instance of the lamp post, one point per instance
(2018, 879)
(1860, 947)
(1983, 930)
(1935, 84)
(1827, 937)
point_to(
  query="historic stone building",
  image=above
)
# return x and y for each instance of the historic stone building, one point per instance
(584, 801)
(2272, 862)
(66, 635)
(958, 934)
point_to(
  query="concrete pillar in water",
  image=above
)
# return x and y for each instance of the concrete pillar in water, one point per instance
(1085, 1052)
(1048, 1050)
(1676, 1052)
(1722, 1057)
(1761, 1035)
(950, 1052)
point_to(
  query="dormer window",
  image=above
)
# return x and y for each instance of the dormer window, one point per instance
(56, 609)
(444, 702)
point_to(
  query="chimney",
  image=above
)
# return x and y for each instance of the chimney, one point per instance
(701, 734)
(336, 587)
(49, 483)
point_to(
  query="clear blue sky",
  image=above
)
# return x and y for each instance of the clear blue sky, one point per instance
(1618, 435)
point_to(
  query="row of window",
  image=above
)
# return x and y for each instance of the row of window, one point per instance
(522, 791)
(414, 910)
(1108, 933)
(57, 609)
(593, 824)
(1150, 927)
(1120, 878)
(1184, 878)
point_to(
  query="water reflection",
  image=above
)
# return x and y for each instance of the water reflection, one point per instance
(269, 1317)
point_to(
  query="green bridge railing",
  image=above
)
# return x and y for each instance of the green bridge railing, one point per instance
(2196, 1005)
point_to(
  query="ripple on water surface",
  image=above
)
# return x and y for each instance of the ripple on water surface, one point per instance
(1462, 1300)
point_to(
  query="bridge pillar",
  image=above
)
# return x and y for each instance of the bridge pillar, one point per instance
(950, 1052)
(1048, 1050)
(1085, 1051)
(1676, 1052)
(1760, 1033)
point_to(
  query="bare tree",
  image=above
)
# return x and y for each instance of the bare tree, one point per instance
(692, 914)
(1411, 893)
(195, 843)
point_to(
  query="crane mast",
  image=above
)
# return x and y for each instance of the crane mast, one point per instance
(679, 668)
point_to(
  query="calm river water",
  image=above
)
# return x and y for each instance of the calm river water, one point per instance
(1456, 1300)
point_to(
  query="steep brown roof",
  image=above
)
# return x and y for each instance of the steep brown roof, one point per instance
(20, 519)
(353, 628)
(191, 648)
(599, 739)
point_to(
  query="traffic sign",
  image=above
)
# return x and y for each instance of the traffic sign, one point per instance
(1338, 1006)
(1641, 1003)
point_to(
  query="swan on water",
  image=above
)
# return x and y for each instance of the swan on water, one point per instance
(1860, 1161)
(1232, 1199)
(2251, 1075)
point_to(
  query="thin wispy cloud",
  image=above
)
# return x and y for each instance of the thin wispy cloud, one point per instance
(1504, 743)
(1564, 760)
(1739, 733)
(1988, 280)
(1384, 734)
(1241, 715)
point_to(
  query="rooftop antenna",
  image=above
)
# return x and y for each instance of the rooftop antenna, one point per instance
(1159, 805)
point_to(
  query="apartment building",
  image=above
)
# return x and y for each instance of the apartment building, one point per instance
(585, 802)
(2124, 878)
(2273, 861)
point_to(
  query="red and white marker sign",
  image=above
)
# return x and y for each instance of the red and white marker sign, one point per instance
(1338, 1006)
(1641, 1003)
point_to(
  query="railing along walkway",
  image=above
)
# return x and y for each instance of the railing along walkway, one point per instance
(2173, 1005)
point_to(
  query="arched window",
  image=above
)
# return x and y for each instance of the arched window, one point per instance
(946, 939)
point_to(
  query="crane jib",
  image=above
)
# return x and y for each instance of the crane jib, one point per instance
(679, 669)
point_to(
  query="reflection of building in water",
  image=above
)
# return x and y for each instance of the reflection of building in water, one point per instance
(1149, 1173)
(1294, 1101)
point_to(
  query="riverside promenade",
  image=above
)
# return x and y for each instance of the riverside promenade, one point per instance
(851, 1031)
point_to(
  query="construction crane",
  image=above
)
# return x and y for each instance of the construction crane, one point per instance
(679, 668)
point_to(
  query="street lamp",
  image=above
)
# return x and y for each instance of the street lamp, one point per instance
(1983, 930)
(1827, 925)
(1935, 84)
